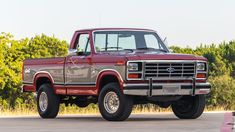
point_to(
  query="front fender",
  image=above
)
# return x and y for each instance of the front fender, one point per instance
(112, 72)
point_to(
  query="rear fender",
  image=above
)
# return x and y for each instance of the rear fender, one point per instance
(42, 74)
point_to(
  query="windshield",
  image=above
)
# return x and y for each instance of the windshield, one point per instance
(127, 40)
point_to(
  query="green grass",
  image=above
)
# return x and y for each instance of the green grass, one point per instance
(91, 109)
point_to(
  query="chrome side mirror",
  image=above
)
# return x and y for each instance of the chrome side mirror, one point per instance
(165, 41)
(166, 44)
(72, 52)
(171, 51)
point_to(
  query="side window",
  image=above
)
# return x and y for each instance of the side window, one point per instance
(83, 44)
(100, 42)
(151, 41)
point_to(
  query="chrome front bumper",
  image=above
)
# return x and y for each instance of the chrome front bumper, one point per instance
(143, 89)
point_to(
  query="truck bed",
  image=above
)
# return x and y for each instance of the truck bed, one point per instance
(53, 66)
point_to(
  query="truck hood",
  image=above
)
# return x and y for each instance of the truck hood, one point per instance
(149, 55)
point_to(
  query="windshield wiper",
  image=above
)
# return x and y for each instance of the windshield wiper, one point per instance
(112, 48)
(131, 50)
(147, 48)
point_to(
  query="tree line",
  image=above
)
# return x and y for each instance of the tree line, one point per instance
(221, 59)
(12, 54)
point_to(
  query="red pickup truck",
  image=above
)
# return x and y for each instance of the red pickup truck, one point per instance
(118, 68)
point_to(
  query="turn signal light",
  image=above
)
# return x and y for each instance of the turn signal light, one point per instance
(201, 75)
(120, 63)
(134, 75)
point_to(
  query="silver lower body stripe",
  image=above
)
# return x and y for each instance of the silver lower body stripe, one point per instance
(156, 92)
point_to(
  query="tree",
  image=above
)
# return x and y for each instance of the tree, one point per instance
(44, 46)
(12, 54)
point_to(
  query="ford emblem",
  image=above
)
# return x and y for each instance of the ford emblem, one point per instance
(170, 69)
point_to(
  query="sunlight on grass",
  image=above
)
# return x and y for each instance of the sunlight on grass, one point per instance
(91, 109)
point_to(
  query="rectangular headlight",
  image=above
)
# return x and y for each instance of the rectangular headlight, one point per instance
(201, 66)
(134, 66)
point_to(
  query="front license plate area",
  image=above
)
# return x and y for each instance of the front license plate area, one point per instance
(171, 90)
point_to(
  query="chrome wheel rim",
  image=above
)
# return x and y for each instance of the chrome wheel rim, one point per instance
(111, 102)
(43, 101)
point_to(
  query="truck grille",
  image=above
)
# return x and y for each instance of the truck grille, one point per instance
(169, 69)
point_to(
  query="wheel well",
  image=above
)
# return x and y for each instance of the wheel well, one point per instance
(42, 80)
(107, 79)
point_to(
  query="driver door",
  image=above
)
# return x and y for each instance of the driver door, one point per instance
(78, 67)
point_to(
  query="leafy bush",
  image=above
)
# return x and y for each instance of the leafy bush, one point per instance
(12, 54)
(223, 92)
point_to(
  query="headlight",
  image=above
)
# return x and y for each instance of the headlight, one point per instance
(133, 66)
(201, 66)
(134, 70)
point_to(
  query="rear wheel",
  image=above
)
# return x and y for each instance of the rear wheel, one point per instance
(113, 104)
(189, 107)
(47, 102)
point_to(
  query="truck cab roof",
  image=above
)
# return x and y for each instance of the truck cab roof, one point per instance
(94, 29)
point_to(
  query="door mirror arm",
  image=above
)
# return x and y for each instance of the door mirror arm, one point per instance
(73, 52)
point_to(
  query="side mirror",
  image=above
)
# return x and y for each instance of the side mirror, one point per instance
(165, 41)
(73, 52)
(171, 51)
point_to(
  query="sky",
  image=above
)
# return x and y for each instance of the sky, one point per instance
(183, 22)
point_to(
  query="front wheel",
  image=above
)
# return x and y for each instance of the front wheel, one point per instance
(189, 107)
(47, 102)
(113, 104)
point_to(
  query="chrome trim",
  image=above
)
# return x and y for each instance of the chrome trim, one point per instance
(172, 78)
(166, 78)
(144, 30)
(108, 70)
(43, 72)
(75, 84)
(137, 72)
(167, 61)
(155, 92)
(164, 84)
(88, 83)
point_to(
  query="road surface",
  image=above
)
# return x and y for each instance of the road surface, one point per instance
(167, 122)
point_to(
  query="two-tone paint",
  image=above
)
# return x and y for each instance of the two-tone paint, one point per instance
(82, 75)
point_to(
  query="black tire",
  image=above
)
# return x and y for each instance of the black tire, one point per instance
(189, 107)
(125, 103)
(52, 108)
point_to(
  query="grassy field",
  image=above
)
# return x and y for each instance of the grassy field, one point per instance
(91, 109)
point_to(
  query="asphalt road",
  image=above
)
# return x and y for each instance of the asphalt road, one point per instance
(208, 122)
